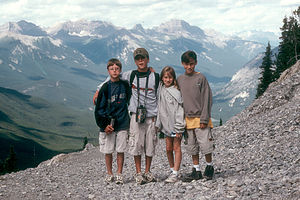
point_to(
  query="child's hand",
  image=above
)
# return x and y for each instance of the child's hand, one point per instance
(178, 135)
(109, 129)
(202, 126)
(151, 69)
(157, 130)
(95, 97)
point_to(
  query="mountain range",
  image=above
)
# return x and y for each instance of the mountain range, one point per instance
(65, 63)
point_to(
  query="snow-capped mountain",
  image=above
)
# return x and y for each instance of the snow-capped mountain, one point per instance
(43, 66)
(23, 28)
(65, 63)
(100, 41)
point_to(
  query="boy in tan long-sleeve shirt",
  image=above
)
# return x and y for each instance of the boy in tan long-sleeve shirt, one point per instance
(197, 103)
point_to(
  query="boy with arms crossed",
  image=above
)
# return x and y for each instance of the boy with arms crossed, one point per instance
(197, 103)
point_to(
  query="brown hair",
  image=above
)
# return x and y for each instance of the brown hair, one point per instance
(187, 56)
(113, 61)
(171, 71)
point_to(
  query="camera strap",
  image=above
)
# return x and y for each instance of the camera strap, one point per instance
(146, 88)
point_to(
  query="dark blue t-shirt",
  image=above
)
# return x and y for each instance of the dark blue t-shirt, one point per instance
(112, 102)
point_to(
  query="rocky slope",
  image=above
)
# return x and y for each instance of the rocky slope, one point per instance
(256, 157)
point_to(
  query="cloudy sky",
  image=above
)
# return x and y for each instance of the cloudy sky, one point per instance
(226, 16)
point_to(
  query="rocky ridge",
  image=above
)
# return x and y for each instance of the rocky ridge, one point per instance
(256, 157)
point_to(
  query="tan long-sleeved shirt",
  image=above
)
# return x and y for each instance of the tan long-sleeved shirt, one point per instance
(197, 96)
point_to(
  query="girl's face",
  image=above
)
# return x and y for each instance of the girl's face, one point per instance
(168, 79)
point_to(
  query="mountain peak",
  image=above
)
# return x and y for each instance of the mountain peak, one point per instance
(139, 27)
(23, 27)
(84, 27)
(180, 28)
(174, 25)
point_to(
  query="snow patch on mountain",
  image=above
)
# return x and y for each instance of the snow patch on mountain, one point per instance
(242, 95)
(216, 38)
(84, 33)
(203, 54)
(58, 58)
(29, 89)
(18, 50)
(25, 39)
(139, 37)
(14, 60)
(12, 67)
(56, 42)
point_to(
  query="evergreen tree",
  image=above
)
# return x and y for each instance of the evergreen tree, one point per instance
(1, 167)
(221, 122)
(10, 164)
(85, 141)
(266, 72)
(289, 47)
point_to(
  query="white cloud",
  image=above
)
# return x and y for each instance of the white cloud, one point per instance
(226, 16)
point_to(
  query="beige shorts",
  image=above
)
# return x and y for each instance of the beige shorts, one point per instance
(142, 137)
(200, 139)
(116, 141)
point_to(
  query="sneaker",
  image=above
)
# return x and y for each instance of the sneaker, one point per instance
(149, 177)
(209, 172)
(139, 179)
(119, 179)
(172, 178)
(109, 178)
(195, 175)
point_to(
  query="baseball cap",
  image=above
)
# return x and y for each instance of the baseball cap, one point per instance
(141, 52)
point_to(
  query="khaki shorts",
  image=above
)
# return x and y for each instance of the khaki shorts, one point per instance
(142, 137)
(200, 139)
(116, 141)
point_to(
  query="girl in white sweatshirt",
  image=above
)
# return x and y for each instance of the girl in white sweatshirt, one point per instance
(170, 119)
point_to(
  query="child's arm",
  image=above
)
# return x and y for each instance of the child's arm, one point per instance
(206, 98)
(100, 113)
(179, 125)
(123, 76)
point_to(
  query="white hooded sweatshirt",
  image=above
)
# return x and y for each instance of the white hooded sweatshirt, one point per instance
(170, 115)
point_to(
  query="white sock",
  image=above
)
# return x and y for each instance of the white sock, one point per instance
(172, 169)
(197, 167)
(209, 163)
(175, 172)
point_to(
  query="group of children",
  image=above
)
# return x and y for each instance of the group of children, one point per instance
(132, 107)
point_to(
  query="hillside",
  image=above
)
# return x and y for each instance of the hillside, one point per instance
(256, 157)
(39, 129)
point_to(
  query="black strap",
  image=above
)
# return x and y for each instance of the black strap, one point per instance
(134, 73)
(146, 88)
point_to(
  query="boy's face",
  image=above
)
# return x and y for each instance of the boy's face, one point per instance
(142, 63)
(114, 72)
(189, 67)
